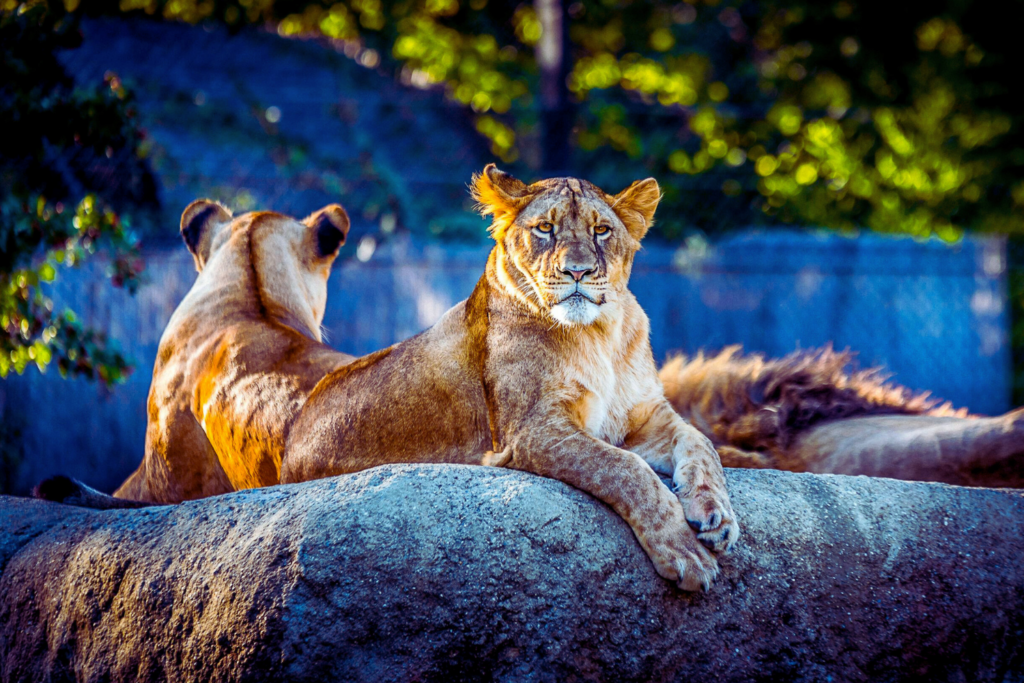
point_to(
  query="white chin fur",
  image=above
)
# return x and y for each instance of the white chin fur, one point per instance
(575, 311)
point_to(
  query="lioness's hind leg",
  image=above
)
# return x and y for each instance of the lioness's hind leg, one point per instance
(179, 463)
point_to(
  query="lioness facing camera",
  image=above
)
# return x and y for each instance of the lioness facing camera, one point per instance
(548, 365)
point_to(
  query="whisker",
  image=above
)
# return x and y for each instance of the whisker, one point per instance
(561, 441)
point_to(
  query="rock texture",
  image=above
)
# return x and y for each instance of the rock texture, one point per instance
(458, 573)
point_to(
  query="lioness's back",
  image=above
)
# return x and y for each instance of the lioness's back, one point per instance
(421, 379)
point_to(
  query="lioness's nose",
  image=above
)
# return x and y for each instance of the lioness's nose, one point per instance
(577, 275)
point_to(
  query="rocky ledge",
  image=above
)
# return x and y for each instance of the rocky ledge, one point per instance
(458, 573)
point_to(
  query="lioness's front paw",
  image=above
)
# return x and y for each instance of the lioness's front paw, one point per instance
(713, 520)
(696, 573)
(709, 513)
(678, 558)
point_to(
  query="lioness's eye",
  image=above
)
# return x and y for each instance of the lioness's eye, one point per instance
(601, 229)
(545, 227)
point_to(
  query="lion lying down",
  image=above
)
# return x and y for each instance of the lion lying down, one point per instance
(547, 365)
(547, 368)
(807, 413)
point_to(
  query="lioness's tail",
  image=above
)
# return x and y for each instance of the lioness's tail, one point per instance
(61, 489)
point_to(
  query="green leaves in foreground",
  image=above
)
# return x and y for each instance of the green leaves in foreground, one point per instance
(51, 216)
(31, 332)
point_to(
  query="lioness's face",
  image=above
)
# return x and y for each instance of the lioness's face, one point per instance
(571, 243)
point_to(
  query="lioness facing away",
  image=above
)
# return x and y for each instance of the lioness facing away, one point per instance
(547, 366)
(241, 352)
(237, 360)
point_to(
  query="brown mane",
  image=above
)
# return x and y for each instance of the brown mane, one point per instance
(762, 405)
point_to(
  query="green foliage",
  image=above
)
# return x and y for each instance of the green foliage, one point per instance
(844, 114)
(849, 114)
(43, 227)
(899, 120)
(825, 114)
(31, 332)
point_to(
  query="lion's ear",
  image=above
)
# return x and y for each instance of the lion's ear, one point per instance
(500, 196)
(635, 206)
(198, 221)
(330, 225)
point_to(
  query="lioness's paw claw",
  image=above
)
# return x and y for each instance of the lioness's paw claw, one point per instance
(680, 559)
(695, 575)
(720, 540)
(711, 517)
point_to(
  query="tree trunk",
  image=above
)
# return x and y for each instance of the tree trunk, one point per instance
(557, 112)
(466, 573)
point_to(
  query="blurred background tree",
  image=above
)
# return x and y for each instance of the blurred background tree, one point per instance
(849, 114)
(57, 142)
(845, 114)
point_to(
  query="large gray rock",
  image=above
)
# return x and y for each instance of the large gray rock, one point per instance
(459, 573)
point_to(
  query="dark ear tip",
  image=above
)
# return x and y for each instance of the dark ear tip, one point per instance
(331, 224)
(201, 207)
(338, 216)
(195, 218)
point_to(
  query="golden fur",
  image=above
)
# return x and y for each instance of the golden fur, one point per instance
(240, 354)
(808, 412)
(548, 366)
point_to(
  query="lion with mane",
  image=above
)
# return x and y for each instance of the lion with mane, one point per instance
(547, 367)
(812, 411)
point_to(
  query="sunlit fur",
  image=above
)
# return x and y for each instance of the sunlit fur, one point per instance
(518, 376)
(532, 263)
(810, 412)
(239, 356)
